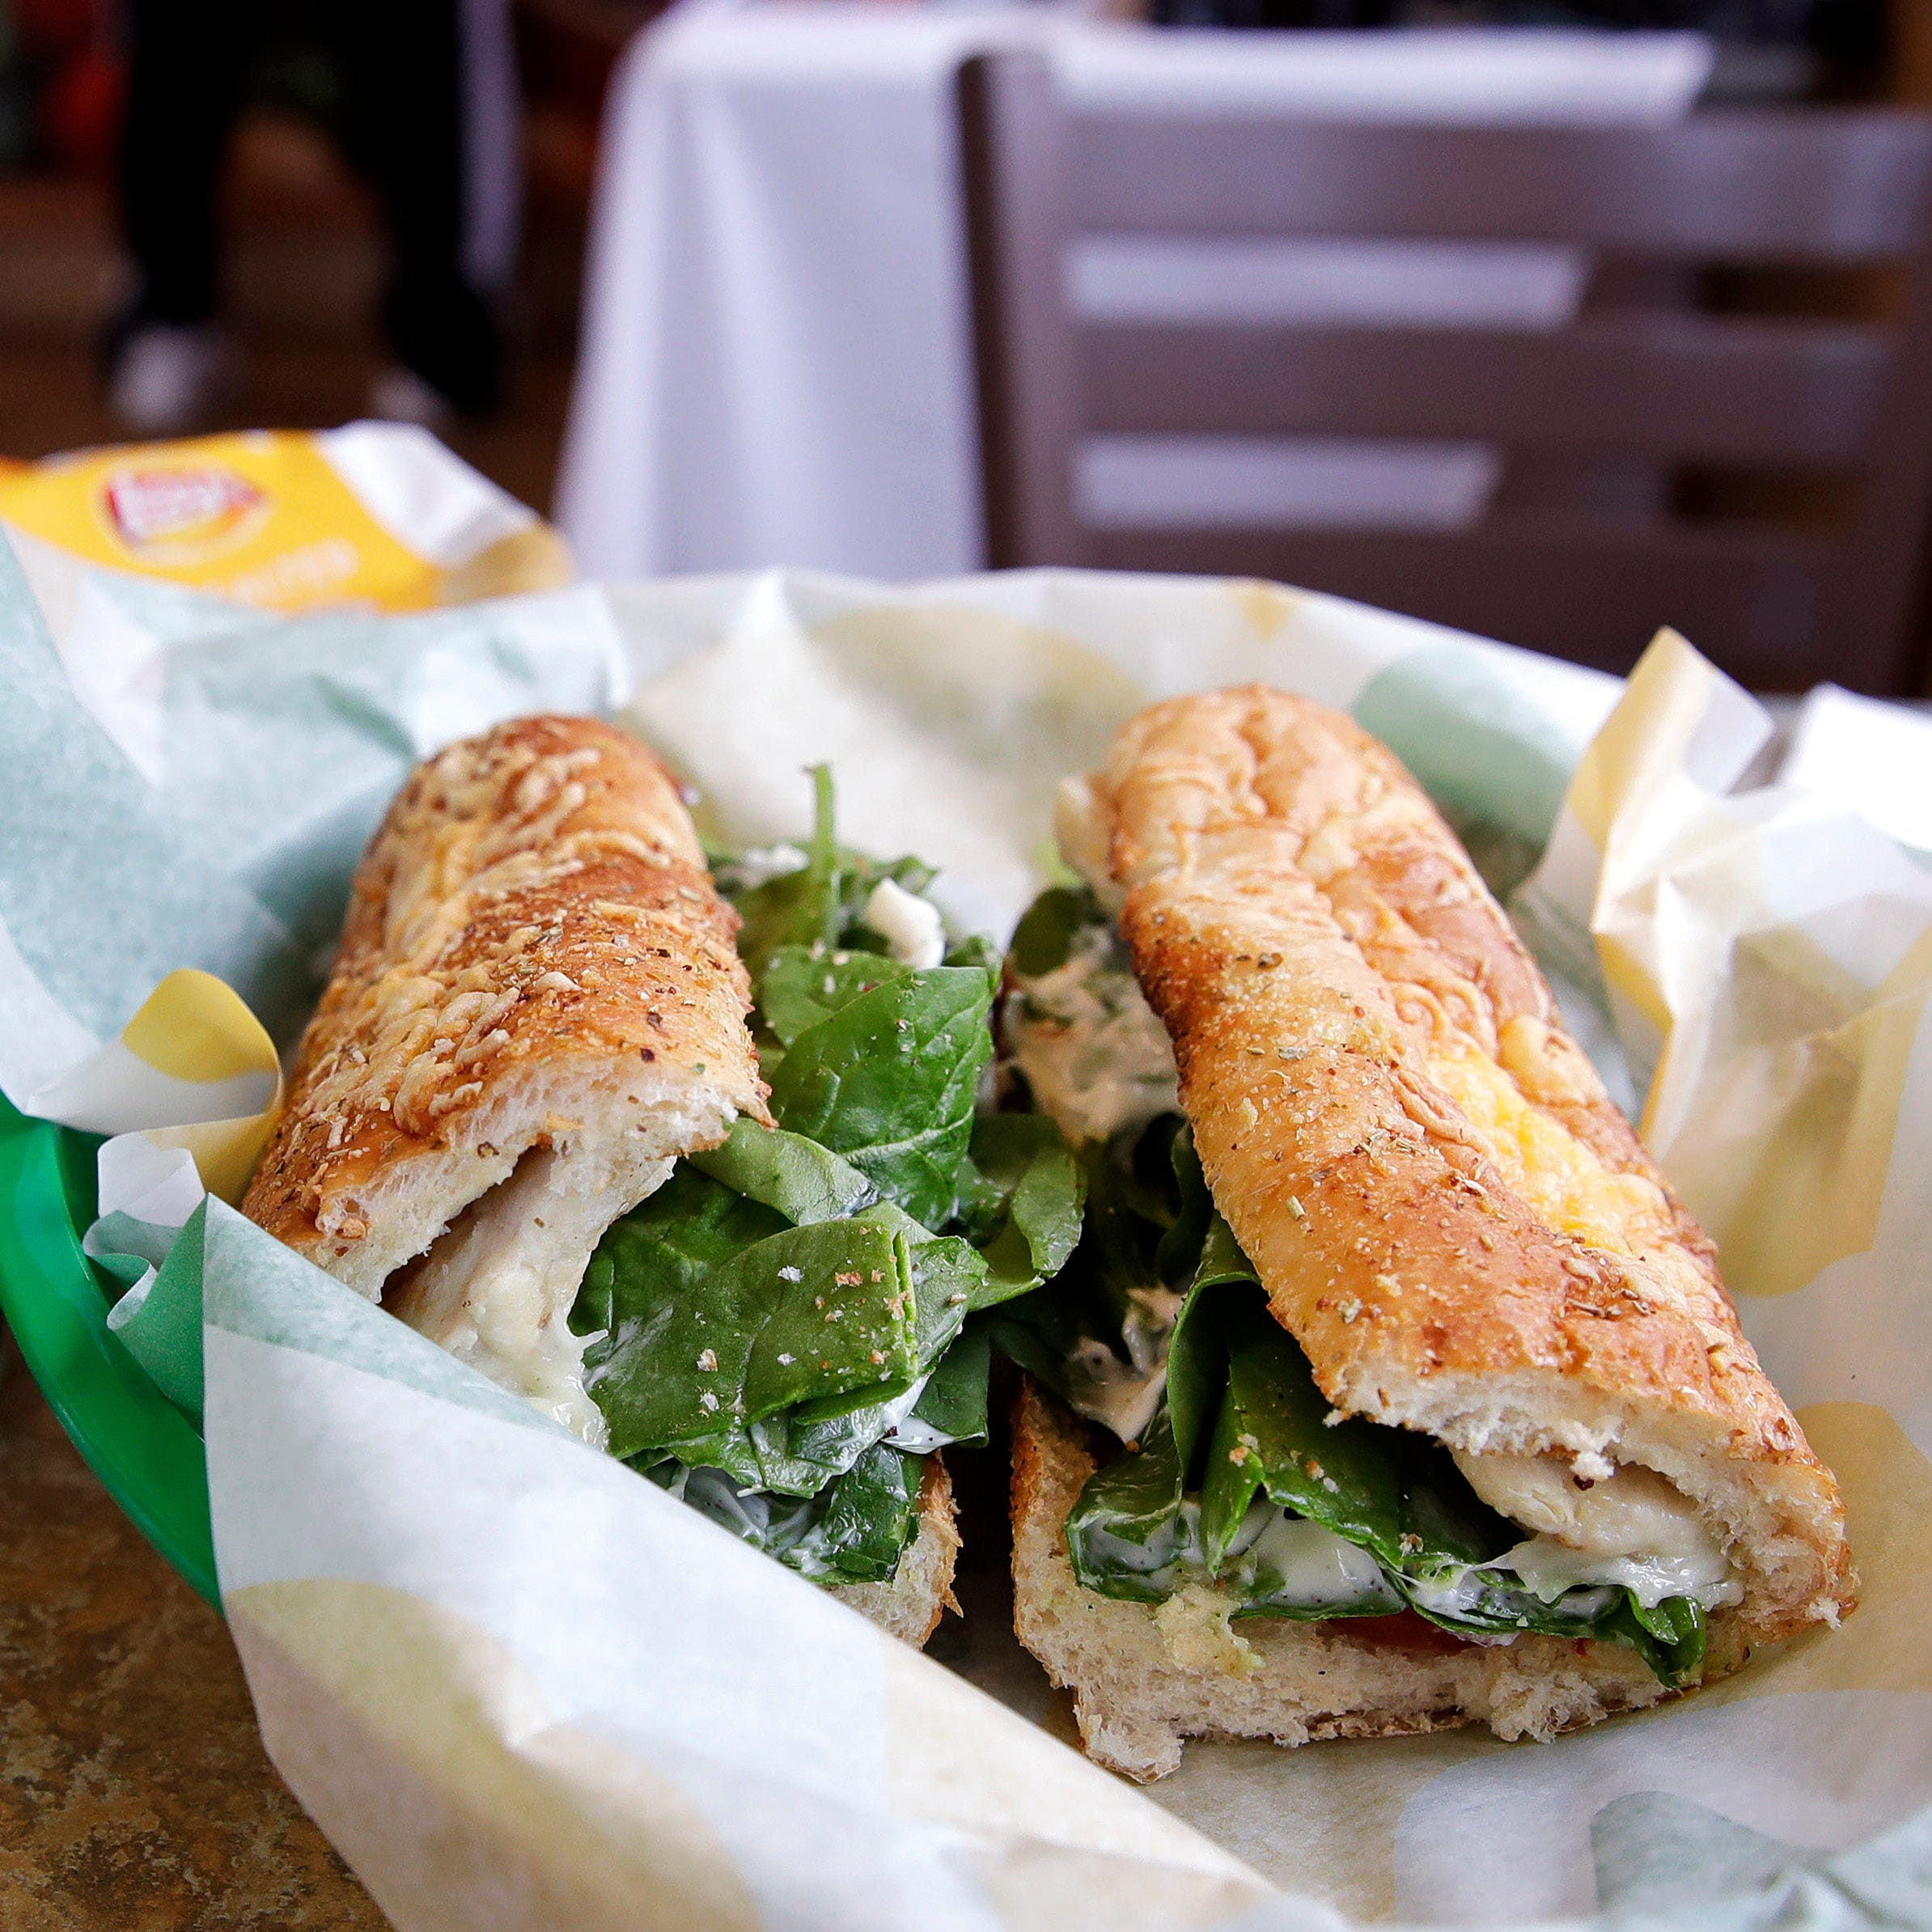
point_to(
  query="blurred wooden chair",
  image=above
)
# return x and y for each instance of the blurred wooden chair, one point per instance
(1795, 449)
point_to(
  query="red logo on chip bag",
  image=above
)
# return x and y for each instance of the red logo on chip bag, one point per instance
(153, 510)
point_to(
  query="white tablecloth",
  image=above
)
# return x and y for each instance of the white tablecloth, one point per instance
(776, 364)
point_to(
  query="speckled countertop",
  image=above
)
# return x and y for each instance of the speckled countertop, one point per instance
(134, 1796)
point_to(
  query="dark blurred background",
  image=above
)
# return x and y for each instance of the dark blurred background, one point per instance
(305, 250)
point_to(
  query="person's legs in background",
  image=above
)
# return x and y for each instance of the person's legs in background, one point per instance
(433, 120)
(186, 60)
(431, 116)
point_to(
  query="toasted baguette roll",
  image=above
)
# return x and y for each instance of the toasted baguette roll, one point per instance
(535, 1008)
(1447, 1211)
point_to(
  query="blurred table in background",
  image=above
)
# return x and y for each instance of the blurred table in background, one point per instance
(134, 1796)
(776, 365)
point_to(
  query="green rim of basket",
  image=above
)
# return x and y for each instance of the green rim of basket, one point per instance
(142, 1447)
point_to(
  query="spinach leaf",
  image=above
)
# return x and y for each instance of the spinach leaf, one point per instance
(802, 908)
(802, 1180)
(1390, 1491)
(889, 1082)
(1197, 1353)
(1116, 1257)
(1132, 1534)
(976, 949)
(793, 1453)
(1109, 1297)
(818, 1311)
(727, 1368)
(1039, 1332)
(829, 1443)
(800, 1449)
(756, 1455)
(866, 1520)
(823, 903)
(1179, 1255)
(1043, 939)
(1232, 1479)
(1670, 1638)
(802, 986)
(952, 1406)
(664, 1251)
(948, 1275)
(1398, 1494)
(797, 1451)
(807, 1184)
(1022, 1195)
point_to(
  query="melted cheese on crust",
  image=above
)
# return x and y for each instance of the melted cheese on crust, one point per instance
(1562, 1179)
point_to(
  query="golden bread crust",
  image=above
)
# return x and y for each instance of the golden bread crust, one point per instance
(1445, 1209)
(536, 899)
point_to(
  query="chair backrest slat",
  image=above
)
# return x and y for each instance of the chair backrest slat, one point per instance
(1826, 186)
(1591, 545)
(1011, 143)
(1706, 391)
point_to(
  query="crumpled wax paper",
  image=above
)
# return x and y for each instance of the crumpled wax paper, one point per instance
(521, 1688)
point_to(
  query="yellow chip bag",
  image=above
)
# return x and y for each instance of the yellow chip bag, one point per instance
(374, 515)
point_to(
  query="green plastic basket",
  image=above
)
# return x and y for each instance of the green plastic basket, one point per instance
(141, 1446)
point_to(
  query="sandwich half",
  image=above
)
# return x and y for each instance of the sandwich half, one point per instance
(1391, 1388)
(530, 1118)
(535, 1008)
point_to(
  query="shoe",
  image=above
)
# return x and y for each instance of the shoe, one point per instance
(165, 378)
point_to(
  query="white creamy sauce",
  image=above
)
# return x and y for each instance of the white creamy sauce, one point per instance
(1084, 1036)
(912, 928)
(496, 1289)
(1174, 1546)
(1096, 1057)
(1298, 1565)
(904, 1430)
(1630, 1528)
(543, 1364)
(1548, 1569)
(1318, 1569)
(1107, 1391)
(917, 1438)
(1125, 1397)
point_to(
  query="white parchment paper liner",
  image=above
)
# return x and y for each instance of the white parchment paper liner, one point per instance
(521, 1688)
